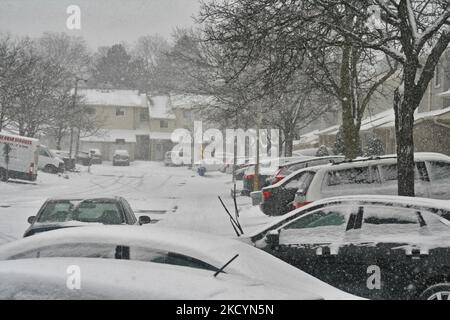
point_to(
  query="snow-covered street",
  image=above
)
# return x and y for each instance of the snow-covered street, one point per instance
(175, 196)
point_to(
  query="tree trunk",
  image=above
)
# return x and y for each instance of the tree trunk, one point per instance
(404, 130)
(350, 130)
(288, 144)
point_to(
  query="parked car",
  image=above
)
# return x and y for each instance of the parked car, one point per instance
(376, 247)
(267, 168)
(277, 199)
(69, 164)
(23, 157)
(291, 167)
(66, 213)
(48, 162)
(83, 158)
(168, 158)
(121, 158)
(96, 156)
(173, 247)
(375, 176)
(46, 279)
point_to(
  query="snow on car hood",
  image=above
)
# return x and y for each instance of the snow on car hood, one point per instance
(216, 251)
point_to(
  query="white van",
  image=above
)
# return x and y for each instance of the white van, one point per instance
(20, 159)
(48, 162)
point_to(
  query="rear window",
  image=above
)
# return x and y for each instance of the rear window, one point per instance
(99, 211)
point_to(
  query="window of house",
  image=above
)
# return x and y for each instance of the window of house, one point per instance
(120, 112)
(144, 116)
(163, 124)
(120, 141)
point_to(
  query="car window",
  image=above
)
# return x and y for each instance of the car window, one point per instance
(300, 182)
(165, 257)
(390, 172)
(105, 212)
(324, 225)
(44, 153)
(381, 221)
(85, 250)
(358, 175)
(291, 169)
(439, 170)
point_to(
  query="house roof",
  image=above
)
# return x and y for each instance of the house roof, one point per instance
(112, 135)
(112, 97)
(160, 108)
(185, 101)
(156, 135)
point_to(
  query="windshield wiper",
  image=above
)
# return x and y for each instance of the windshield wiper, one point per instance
(234, 222)
(225, 265)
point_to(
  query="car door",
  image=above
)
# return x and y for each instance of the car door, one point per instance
(439, 172)
(379, 256)
(311, 242)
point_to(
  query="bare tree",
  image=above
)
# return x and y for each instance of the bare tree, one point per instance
(286, 37)
(415, 33)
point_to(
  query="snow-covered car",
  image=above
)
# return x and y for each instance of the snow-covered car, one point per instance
(83, 158)
(100, 279)
(377, 176)
(66, 213)
(96, 156)
(48, 162)
(121, 158)
(267, 168)
(174, 247)
(65, 156)
(170, 155)
(376, 247)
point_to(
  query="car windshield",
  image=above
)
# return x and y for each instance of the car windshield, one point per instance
(99, 211)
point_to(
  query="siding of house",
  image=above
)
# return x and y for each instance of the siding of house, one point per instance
(431, 137)
(106, 115)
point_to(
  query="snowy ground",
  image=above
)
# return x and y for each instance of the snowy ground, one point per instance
(175, 196)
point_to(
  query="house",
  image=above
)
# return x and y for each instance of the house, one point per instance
(431, 125)
(141, 124)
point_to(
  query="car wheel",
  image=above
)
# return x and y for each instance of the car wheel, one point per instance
(439, 291)
(50, 169)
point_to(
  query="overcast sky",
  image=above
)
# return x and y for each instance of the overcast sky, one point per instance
(103, 22)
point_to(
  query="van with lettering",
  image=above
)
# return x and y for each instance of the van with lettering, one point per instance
(18, 157)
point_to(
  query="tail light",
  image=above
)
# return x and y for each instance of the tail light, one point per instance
(266, 195)
(31, 169)
(301, 204)
(300, 199)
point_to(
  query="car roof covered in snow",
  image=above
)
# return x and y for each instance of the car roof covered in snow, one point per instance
(112, 198)
(425, 203)
(124, 279)
(214, 250)
(121, 152)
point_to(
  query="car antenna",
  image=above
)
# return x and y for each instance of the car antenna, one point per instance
(235, 224)
(225, 265)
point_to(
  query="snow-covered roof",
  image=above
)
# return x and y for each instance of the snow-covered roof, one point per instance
(159, 107)
(431, 114)
(111, 135)
(110, 97)
(156, 135)
(184, 101)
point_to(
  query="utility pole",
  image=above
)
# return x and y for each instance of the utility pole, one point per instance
(74, 101)
(258, 127)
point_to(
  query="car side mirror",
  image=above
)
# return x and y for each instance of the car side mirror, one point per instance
(273, 238)
(300, 192)
(144, 220)
(31, 219)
